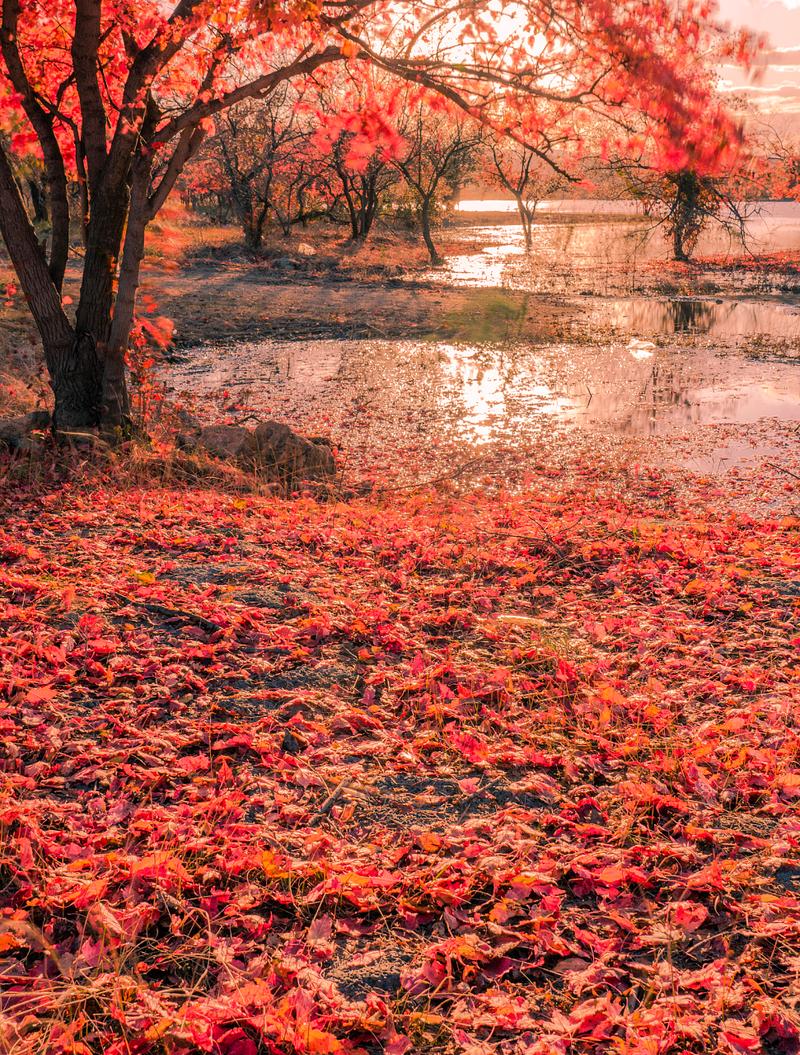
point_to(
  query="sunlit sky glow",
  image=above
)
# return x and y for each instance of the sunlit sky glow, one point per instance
(778, 91)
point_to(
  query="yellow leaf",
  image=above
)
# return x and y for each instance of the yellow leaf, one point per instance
(429, 842)
(159, 1030)
(271, 865)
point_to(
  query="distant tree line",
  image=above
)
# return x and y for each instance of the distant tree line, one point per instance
(354, 152)
(385, 153)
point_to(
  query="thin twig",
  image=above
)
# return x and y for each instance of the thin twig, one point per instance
(331, 799)
(173, 613)
(781, 469)
(454, 474)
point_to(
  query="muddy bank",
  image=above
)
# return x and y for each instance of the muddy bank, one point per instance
(223, 304)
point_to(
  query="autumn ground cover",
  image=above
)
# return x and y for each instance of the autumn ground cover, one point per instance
(482, 773)
(503, 763)
(489, 744)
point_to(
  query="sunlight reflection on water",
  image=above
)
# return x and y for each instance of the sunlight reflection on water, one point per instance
(495, 255)
(637, 366)
(485, 392)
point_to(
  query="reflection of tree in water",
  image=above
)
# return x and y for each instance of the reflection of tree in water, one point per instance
(690, 315)
(728, 318)
(697, 316)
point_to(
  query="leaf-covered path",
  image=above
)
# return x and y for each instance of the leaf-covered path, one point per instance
(508, 774)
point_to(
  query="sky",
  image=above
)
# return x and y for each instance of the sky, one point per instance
(777, 91)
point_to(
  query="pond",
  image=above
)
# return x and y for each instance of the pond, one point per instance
(414, 395)
(610, 251)
(720, 376)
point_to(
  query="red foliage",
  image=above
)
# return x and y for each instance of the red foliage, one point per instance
(649, 66)
(506, 774)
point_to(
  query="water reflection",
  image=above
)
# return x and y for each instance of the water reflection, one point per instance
(689, 315)
(487, 394)
(717, 318)
(496, 255)
(646, 367)
(601, 250)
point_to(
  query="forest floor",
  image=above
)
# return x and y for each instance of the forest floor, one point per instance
(505, 764)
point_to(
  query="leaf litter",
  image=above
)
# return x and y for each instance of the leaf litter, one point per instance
(509, 772)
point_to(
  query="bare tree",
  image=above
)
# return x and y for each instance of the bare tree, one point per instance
(359, 188)
(525, 175)
(265, 158)
(440, 149)
(357, 140)
(684, 203)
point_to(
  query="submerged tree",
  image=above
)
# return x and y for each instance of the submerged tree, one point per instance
(524, 174)
(117, 95)
(685, 202)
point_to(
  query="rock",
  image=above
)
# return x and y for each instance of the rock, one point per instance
(304, 249)
(285, 455)
(228, 442)
(271, 450)
(187, 420)
(16, 433)
(284, 263)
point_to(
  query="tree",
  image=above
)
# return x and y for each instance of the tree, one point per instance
(684, 202)
(440, 147)
(262, 154)
(358, 137)
(117, 95)
(359, 182)
(517, 169)
(688, 203)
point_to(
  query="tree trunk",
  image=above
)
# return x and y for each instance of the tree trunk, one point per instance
(252, 235)
(76, 376)
(106, 228)
(79, 389)
(678, 248)
(73, 365)
(116, 416)
(436, 260)
(370, 210)
(355, 228)
(39, 202)
(261, 220)
(526, 219)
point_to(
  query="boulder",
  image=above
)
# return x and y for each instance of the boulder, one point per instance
(227, 442)
(282, 452)
(187, 420)
(16, 433)
(271, 450)
(304, 249)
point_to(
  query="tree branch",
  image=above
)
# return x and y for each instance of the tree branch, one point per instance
(260, 87)
(30, 262)
(42, 123)
(85, 51)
